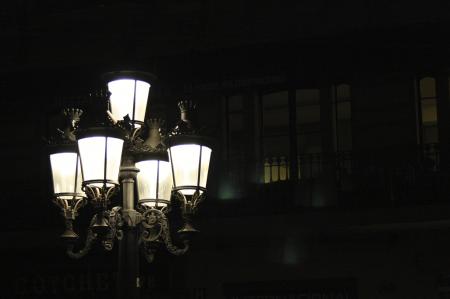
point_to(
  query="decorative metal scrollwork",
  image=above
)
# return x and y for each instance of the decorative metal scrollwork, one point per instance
(189, 204)
(155, 232)
(152, 224)
(100, 196)
(70, 207)
(115, 222)
(90, 238)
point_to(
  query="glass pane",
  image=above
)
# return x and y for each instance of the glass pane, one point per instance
(307, 97)
(114, 157)
(184, 159)
(429, 111)
(343, 92)
(165, 180)
(344, 131)
(428, 88)
(122, 96)
(309, 165)
(64, 170)
(344, 110)
(308, 114)
(309, 143)
(276, 146)
(284, 169)
(274, 171)
(235, 103)
(146, 179)
(142, 90)
(267, 173)
(307, 106)
(430, 134)
(122, 93)
(236, 122)
(206, 156)
(275, 113)
(92, 153)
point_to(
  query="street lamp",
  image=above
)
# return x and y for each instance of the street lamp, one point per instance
(67, 176)
(93, 162)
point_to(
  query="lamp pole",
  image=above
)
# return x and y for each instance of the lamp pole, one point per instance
(128, 265)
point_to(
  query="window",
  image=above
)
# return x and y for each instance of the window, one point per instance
(342, 109)
(428, 111)
(428, 123)
(342, 116)
(275, 136)
(235, 147)
(309, 139)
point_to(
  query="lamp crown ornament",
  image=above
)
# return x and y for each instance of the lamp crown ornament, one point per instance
(187, 124)
(153, 140)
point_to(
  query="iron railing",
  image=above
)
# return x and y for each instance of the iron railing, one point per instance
(394, 175)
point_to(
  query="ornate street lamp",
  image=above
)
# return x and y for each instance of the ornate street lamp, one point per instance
(66, 173)
(114, 153)
(189, 155)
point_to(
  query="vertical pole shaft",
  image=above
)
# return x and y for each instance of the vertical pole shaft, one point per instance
(128, 265)
(128, 274)
(128, 194)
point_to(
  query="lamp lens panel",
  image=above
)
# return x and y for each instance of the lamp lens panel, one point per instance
(66, 173)
(142, 90)
(148, 182)
(123, 94)
(92, 153)
(206, 157)
(185, 161)
(114, 158)
(146, 179)
(165, 180)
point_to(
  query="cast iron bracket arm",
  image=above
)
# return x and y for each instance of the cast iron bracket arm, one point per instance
(90, 238)
(155, 231)
(168, 240)
(115, 222)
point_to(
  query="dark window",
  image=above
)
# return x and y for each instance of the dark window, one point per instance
(309, 139)
(275, 136)
(428, 122)
(428, 110)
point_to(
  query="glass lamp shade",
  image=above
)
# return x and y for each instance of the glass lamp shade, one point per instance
(100, 152)
(66, 173)
(154, 180)
(190, 164)
(129, 95)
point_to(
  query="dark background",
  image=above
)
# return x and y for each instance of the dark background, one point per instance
(380, 231)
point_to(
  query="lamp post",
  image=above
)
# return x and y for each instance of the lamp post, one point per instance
(90, 163)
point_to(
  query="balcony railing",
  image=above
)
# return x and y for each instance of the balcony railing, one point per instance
(385, 175)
